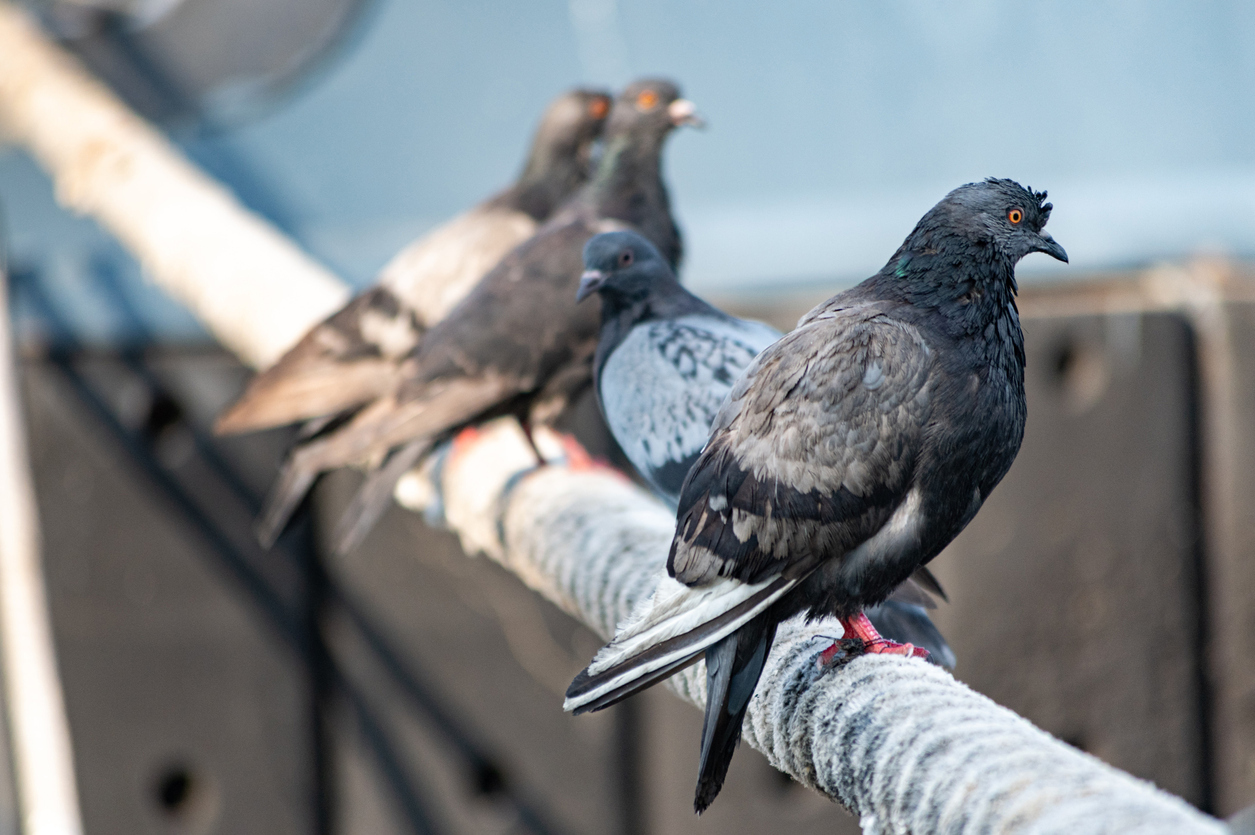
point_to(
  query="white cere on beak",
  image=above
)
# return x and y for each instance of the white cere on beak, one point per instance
(681, 111)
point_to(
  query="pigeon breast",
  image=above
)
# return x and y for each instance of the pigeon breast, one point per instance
(663, 384)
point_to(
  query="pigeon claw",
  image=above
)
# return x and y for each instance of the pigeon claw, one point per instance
(845, 650)
(840, 653)
(886, 647)
(860, 631)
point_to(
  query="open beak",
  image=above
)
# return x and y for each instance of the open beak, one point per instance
(684, 112)
(1051, 247)
(590, 282)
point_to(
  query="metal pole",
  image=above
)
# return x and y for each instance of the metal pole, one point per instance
(42, 754)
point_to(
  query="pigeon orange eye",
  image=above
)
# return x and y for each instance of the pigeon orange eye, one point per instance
(625, 259)
(647, 100)
(1015, 215)
(598, 108)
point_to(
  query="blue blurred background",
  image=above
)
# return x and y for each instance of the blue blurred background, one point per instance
(209, 688)
(832, 128)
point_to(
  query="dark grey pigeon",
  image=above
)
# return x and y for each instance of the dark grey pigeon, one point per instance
(518, 344)
(354, 355)
(848, 455)
(665, 363)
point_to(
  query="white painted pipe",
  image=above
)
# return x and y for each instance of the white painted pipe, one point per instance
(42, 755)
(254, 289)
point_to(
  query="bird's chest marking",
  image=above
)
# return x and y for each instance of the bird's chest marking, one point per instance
(663, 385)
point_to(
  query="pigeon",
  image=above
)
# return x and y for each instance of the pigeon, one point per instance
(518, 343)
(848, 454)
(353, 356)
(664, 365)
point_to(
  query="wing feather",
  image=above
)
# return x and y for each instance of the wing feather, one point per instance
(433, 274)
(344, 361)
(813, 451)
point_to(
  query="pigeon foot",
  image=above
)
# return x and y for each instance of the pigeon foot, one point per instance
(861, 638)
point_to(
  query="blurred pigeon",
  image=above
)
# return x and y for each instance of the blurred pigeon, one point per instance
(353, 356)
(518, 344)
(848, 454)
(664, 365)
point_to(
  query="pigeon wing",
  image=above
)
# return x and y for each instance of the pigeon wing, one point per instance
(352, 356)
(342, 362)
(438, 270)
(813, 452)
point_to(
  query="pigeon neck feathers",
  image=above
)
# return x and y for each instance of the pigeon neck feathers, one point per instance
(952, 273)
(560, 159)
(546, 183)
(554, 171)
(628, 186)
(664, 299)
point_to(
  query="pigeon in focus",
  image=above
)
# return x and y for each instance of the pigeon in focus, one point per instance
(518, 344)
(353, 356)
(849, 454)
(665, 363)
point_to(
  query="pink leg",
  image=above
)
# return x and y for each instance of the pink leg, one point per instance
(531, 442)
(859, 628)
(465, 438)
(577, 458)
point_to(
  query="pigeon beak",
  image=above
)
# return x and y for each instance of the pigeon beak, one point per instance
(684, 112)
(1051, 247)
(590, 282)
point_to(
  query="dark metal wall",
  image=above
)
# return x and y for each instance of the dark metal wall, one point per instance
(213, 687)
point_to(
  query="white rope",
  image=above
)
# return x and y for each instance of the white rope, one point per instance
(898, 741)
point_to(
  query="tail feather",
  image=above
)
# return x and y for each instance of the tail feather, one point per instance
(928, 581)
(373, 497)
(613, 697)
(669, 631)
(295, 479)
(733, 667)
(304, 465)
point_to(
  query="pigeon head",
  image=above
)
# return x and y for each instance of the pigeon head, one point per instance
(650, 108)
(627, 185)
(1001, 217)
(572, 122)
(623, 267)
(562, 150)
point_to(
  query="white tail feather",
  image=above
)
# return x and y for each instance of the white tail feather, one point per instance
(673, 611)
